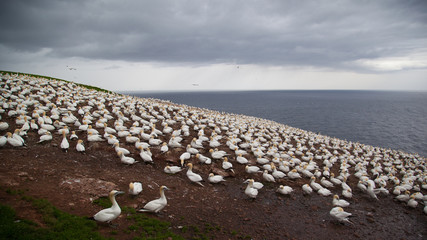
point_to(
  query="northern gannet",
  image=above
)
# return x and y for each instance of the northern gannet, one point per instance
(135, 188)
(109, 214)
(226, 165)
(285, 190)
(268, 177)
(46, 137)
(250, 190)
(13, 141)
(215, 178)
(337, 202)
(79, 146)
(307, 189)
(339, 214)
(194, 177)
(126, 160)
(203, 159)
(252, 169)
(120, 149)
(64, 143)
(157, 204)
(183, 157)
(172, 169)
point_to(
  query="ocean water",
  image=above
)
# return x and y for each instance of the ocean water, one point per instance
(396, 120)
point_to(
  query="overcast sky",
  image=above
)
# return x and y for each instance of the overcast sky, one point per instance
(219, 45)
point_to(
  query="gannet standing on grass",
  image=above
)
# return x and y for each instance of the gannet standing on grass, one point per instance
(109, 214)
(194, 177)
(157, 204)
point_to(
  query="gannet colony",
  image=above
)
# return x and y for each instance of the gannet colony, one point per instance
(232, 144)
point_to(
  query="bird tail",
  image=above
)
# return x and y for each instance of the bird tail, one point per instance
(143, 210)
(200, 184)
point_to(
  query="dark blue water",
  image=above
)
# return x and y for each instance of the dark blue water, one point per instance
(396, 120)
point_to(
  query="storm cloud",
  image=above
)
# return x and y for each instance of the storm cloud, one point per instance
(358, 36)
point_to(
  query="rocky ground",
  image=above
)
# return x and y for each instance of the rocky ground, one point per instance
(72, 180)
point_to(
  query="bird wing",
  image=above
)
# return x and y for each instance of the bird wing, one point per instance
(153, 205)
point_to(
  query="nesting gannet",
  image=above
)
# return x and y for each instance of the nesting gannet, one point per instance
(79, 146)
(326, 183)
(250, 190)
(145, 155)
(203, 159)
(285, 190)
(255, 184)
(158, 204)
(109, 214)
(217, 154)
(126, 160)
(314, 185)
(412, 202)
(370, 191)
(135, 188)
(242, 160)
(215, 178)
(294, 174)
(339, 202)
(164, 148)
(252, 169)
(94, 137)
(73, 136)
(183, 157)
(226, 165)
(117, 147)
(307, 189)
(194, 177)
(4, 126)
(13, 141)
(172, 169)
(276, 173)
(339, 214)
(268, 177)
(46, 137)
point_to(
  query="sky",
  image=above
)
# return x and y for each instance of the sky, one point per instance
(199, 45)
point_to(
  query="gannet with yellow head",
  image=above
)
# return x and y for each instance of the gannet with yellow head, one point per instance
(157, 204)
(109, 214)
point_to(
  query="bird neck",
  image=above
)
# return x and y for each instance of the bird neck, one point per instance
(114, 202)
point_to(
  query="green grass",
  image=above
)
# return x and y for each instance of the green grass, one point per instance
(60, 225)
(58, 79)
(150, 228)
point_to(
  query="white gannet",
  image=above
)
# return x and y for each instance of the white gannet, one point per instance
(203, 159)
(157, 204)
(324, 192)
(183, 157)
(172, 169)
(242, 160)
(412, 202)
(135, 188)
(79, 146)
(194, 177)
(326, 183)
(164, 148)
(226, 165)
(252, 169)
(250, 190)
(94, 137)
(307, 189)
(117, 147)
(126, 160)
(109, 214)
(314, 185)
(337, 202)
(13, 141)
(285, 190)
(3, 141)
(268, 177)
(276, 173)
(293, 174)
(339, 214)
(46, 137)
(215, 178)
(73, 135)
(145, 155)
(64, 143)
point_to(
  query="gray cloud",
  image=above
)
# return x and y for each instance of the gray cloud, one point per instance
(296, 33)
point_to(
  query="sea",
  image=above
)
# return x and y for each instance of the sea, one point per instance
(387, 119)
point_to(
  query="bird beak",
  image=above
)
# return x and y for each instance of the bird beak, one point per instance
(246, 181)
(120, 192)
